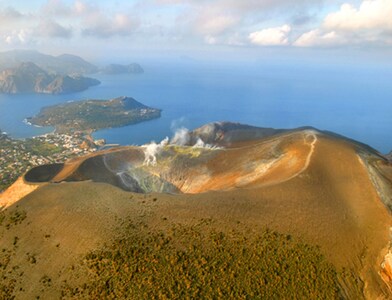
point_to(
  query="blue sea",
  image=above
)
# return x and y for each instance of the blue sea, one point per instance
(349, 100)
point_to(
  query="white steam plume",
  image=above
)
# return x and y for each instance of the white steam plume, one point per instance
(201, 144)
(152, 150)
(181, 137)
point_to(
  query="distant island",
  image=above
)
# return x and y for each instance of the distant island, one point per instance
(133, 68)
(26, 71)
(63, 64)
(91, 115)
(27, 77)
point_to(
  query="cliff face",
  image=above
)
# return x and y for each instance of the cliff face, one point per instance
(29, 78)
(67, 84)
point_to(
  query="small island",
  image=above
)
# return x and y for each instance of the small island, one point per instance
(92, 115)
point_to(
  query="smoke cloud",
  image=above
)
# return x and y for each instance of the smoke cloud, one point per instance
(201, 144)
(181, 137)
(152, 150)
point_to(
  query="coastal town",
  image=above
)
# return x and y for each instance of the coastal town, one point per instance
(74, 123)
(18, 156)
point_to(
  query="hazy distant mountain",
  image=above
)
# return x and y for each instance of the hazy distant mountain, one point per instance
(133, 68)
(27, 77)
(64, 64)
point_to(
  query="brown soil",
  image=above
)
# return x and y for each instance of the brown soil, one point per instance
(318, 191)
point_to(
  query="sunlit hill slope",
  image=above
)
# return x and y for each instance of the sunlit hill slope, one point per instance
(310, 187)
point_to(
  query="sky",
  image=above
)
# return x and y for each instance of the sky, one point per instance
(215, 28)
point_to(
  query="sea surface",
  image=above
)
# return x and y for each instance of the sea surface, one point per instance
(349, 100)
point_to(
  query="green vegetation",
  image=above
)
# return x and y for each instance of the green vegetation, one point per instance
(18, 156)
(12, 218)
(39, 147)
(94, 114)
(16, 217)
(198, 262)
(9, 273)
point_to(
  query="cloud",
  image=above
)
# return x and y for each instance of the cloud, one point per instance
(18, 38)
(228, 22)
(211, 40)
(56, 8)
(370, 23)
(76, 9)
(14, 27)
(105, 27)
(214, 24)
(51, 29)
(88, 18)
(11, 20)
(170, 1)
(233, 22)
(318, 38)
(302, 19)
(168, 23)
(243, 6)
(10, 14)
(84, 8)
(371, 14)
(275, 36)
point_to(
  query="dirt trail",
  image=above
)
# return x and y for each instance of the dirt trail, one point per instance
(312, 145)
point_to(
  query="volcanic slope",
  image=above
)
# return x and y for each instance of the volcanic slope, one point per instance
(313, 187)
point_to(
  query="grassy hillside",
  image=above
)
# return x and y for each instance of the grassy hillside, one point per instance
(201, 262)
(59, 244)
(313, 224)
(172, 262)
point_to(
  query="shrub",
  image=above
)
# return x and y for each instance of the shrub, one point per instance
(191, 262)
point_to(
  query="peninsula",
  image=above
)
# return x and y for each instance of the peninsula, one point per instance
(91, 115)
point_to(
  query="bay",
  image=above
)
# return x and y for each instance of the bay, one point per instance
(349, 100)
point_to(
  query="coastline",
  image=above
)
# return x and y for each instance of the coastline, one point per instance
(88, 116)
